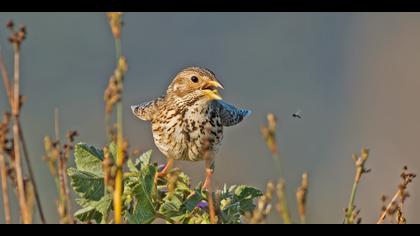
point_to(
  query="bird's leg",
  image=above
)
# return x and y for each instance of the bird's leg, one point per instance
(165, 170)
(167, 167)
(209, 174)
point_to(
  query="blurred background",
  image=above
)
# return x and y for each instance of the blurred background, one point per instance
(355, 76)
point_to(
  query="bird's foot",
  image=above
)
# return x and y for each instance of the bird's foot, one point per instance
(164, 171)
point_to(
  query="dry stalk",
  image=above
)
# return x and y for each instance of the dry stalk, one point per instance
(263, 207)
(282, 206)
(396, 203)
(16, 40)
(15, 100)
(4, 129)
(360, 162)
(301, 196)
(113, 95)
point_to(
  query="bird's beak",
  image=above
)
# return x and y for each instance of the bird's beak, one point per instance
(210, 89)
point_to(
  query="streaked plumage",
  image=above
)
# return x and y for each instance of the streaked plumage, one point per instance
(187, 122)
(184, 119)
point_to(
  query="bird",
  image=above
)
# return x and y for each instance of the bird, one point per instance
(297, 114)
(188, 120)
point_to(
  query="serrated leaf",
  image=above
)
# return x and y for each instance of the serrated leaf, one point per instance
(171, 207)
(245, 196)
(86, 184)
(144, 209)
(94, 210)
(88, 214)
(131, 166)
(247, 192)
(88, 159)
(144, 159)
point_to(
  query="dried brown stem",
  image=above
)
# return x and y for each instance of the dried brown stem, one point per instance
(26, 218)
(6, 80)
(263, 207)
(301, 196)
(282, 206)
(31, 173)
(15, 102)
(4, 188)
(401, 195)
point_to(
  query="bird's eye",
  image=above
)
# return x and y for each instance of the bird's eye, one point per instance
(194, 79)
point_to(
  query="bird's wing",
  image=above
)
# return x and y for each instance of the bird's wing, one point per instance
(229, 114)
(146, 110)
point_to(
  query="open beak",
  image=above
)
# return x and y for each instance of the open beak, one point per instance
(210, 89)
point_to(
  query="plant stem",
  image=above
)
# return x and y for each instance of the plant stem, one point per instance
(384, 213)
(120, 153)
(283, 207)
(360, 170)
(16, 143)
(11, 97)
(350, 206)
(6, 81)
(6, 204)
(30, 172)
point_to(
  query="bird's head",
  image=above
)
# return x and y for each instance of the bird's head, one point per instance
(195, 83)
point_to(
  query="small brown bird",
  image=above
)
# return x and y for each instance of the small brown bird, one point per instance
(187, 122)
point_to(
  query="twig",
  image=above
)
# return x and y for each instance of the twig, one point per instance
(16, 138)
(263, 207)
(6, 80)
(301, 196)
(282, 206)
(30, 172)
(407, 178)
(360, 170)
(16, 39)
(4, 130)
(269, 134)
(5, 191)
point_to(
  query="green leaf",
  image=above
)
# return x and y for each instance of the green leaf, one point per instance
(171, 207)
(131, 166)
(88, 214)
(94, 210)
(247, 192)
(246, 195)
(86, 184)
(191, 202)
(144, 159)
(144, 208)
(88, 159)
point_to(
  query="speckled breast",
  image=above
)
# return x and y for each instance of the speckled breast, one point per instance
(191, 133)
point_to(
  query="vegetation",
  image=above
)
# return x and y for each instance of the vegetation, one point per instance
(117, 185)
